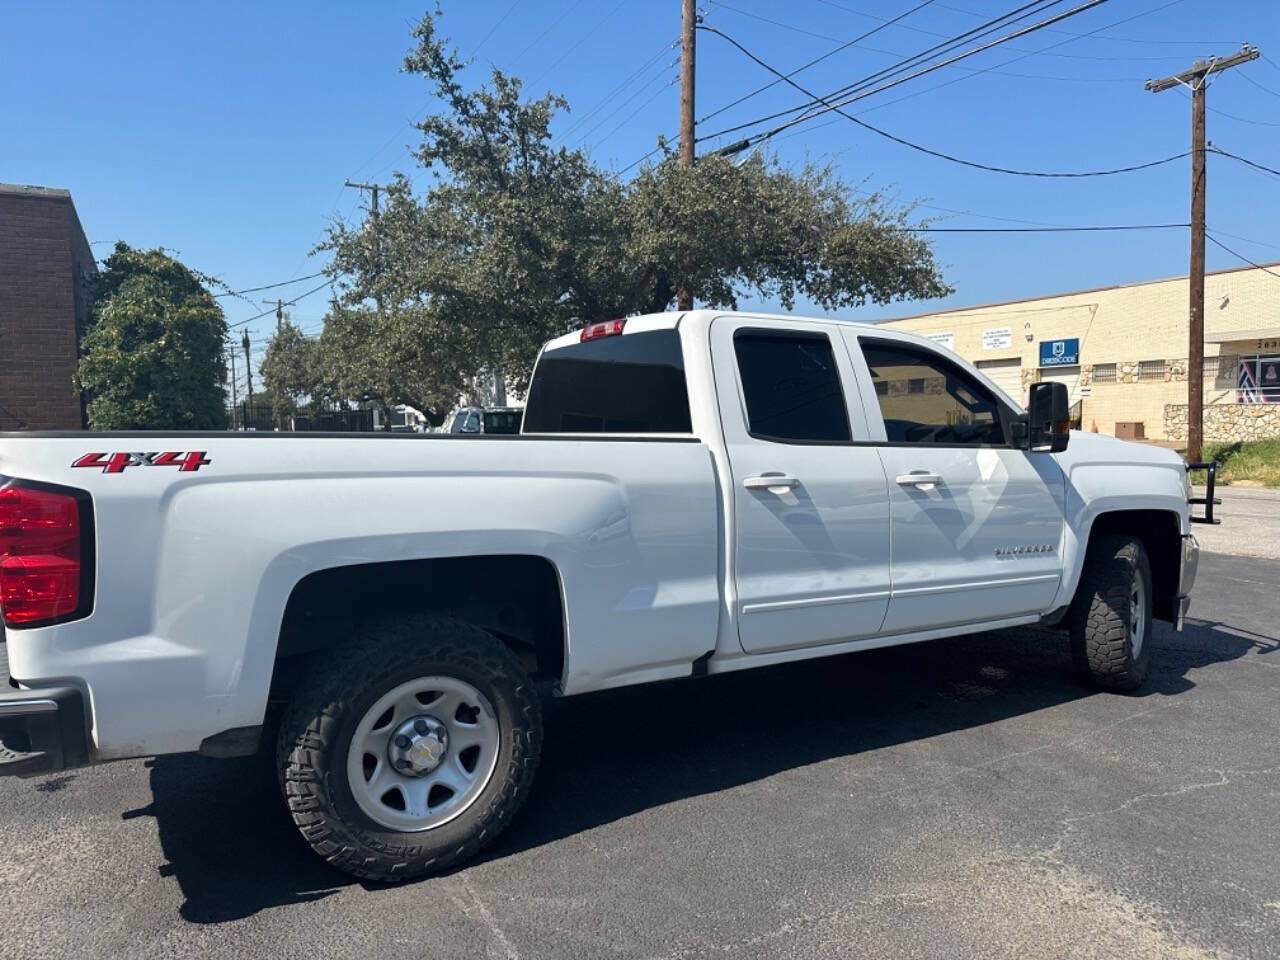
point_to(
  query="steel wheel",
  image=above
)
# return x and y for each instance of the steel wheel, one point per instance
(1137, 613)
(423, 753)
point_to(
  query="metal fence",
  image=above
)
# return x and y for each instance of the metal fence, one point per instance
(261, 417)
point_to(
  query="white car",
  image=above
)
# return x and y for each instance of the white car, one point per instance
(693, 493)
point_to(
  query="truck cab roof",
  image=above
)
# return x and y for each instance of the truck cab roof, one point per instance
(681, 320)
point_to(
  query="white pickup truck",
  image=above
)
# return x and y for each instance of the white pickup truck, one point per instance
(693, 493)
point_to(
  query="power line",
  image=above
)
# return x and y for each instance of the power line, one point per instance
(659, 92)
(861, 84)
(1233, 156)
(1018, 13)
(1248, 79)
(830, 53)
(564, 137)
(916, 59)
(1012, 60)
(540, 37)
(576, 44)
(1065, 56)
(624, 103)
(270, 286)
(1236, 236)
(1066, 33)
(1239, 256)
(492, 30)
(984, 216)
(893, 53)
(1101, 228)
(1078, 36)
(1132, 168)
(1232, 116)
(256, 316)
(937, 153)
(843, 44)
(286, 303)
(1032, 223)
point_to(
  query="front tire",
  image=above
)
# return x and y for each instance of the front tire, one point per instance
(1110, 620)
(411, 748)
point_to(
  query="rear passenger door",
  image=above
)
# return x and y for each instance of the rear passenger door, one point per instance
(810, 510)
(976, 523)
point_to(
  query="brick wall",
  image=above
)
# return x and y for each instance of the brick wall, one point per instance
(45, 264)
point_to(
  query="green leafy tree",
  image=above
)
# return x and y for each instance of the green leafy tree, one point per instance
(153, 358)
(720, 229)
(387, 357)
(290, 372)
(517, 241)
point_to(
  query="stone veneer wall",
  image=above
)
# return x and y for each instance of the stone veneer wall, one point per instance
(1226, 422)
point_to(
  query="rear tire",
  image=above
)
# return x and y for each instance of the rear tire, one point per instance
(381, 801)
(1110, 619)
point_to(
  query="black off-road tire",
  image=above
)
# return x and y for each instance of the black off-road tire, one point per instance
(1099, 620)
(326, 706)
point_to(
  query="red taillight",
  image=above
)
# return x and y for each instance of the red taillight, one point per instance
(39, 555)
(595, 331)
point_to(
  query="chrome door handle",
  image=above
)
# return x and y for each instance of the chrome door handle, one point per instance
(774, 483)
(918, 478)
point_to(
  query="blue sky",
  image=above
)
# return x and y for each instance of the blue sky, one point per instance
(224, 131)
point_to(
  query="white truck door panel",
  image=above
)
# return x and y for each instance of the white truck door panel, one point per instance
(811, 516)
(981, 544)
(976, 524)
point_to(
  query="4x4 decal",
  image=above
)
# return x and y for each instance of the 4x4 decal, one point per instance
(117, 462)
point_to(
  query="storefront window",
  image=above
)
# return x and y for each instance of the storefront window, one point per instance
(1258, 380)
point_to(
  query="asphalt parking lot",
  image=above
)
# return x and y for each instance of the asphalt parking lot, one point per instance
(963, 798)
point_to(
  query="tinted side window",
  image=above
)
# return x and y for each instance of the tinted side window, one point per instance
(792, 387)
(924, 398)
(632, 383)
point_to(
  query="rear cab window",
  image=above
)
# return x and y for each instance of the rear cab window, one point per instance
(628, 383)
(791, 386)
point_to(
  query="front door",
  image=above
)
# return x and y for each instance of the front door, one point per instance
(976, 524)
(810, 509)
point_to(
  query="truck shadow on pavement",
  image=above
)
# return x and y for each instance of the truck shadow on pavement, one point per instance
(234, 851)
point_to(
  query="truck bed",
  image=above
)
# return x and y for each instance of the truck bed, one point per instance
(631, 527)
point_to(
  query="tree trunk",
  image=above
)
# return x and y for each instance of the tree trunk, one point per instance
(664, 292)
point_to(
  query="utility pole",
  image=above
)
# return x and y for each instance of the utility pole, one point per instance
(373, 189)
(248, 372)
(235, 400)
(279, 311)
(1196, 80)
(280, 423)
(688, 34)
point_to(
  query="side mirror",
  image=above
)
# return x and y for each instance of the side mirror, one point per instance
(1048, 418)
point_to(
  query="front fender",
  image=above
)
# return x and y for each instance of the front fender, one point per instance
(1095, 489)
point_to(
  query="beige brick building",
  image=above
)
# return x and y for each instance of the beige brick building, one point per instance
(1122, 352)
